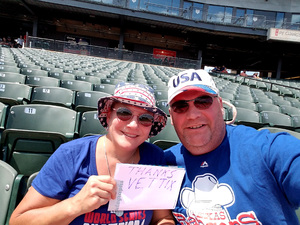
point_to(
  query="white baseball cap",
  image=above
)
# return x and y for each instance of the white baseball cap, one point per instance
(191, 80)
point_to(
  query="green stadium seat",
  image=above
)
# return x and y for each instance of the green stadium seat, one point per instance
(161, 94)
(244, 104)
(90, 125)
(34, 132)
(290, 110)
(267, 107)
(14, 93)
(110, 81)
(244, 97)
(34, 72)
(167, 137)
(35, 81)
(163, 105)
(13, 69)
(247, 117)
(53, 96)
(91, 79)
(77, 85)
(88, 100)
(107, 88)
(12, 77)
(10, 189)
(276, 119)
(62, 75)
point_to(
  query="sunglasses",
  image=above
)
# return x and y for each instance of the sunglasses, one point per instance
(125, 114)
(202, 102)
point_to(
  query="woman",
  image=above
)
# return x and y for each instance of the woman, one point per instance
(76, 184)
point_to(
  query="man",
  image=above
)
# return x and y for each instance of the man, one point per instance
(234, 174)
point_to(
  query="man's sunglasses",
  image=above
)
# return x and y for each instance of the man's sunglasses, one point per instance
(125, 114)
(202, 102)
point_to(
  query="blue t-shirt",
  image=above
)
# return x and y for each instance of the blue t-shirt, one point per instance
(253, 177)
(70, 166)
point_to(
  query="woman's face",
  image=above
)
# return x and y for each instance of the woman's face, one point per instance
(127, 134)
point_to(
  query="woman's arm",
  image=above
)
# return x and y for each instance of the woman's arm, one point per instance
(38, 209)
(162, 217)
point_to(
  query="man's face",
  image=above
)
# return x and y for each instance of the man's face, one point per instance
(199, 130)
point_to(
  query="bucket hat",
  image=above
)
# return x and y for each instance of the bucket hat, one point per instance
(139, 95)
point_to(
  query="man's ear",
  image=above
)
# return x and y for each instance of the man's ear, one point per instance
(171, 117)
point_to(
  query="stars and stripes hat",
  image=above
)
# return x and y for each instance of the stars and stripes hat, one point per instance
(139, 95)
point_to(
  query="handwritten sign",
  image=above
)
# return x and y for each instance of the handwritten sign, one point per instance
(143, 187)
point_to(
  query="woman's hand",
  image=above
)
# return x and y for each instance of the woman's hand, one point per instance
(97, 191)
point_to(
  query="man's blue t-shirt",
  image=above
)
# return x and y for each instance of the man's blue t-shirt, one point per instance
(253, 177)
(70, 166)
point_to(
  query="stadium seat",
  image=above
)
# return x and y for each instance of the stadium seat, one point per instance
(10, 189)
(13, 69)
(35, 81)
(90, 125)
(12, 77)
(263, 99)
(14, 93)
(267, 107)
(34, 72)
(281, 102)
(244, 104)
(290, 110)
(227, 96)
(88, 100)
(53, 96)
(163, 105)
(275, 119)
(296, 123)
(244, 97)
(107, 88)
(247, 117)
(34, 132)
(77, 85)
(91, 79)
(161, 95)
(62, 75)
(110, 81)
(166, 138)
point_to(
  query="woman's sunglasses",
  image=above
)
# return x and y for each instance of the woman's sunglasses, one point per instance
(125, 114)
(202, 102)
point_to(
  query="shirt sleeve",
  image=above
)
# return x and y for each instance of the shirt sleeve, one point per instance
(57, 176)
(283, 158)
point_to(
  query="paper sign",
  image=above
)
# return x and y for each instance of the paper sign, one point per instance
(143, 187)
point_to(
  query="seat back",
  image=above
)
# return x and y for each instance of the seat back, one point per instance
(248, 117)
(275, 119)
(77, 85)
(34, 132)
(107, 88)
(90, 125)
(53, 96)
(88, 100)
(34, 72)
(61, 75)
(163, 105)
(42, 81)
(14, 93)
(13, 69)
(8, 175)
(161, 95)
(167, 137)
(12, 77)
